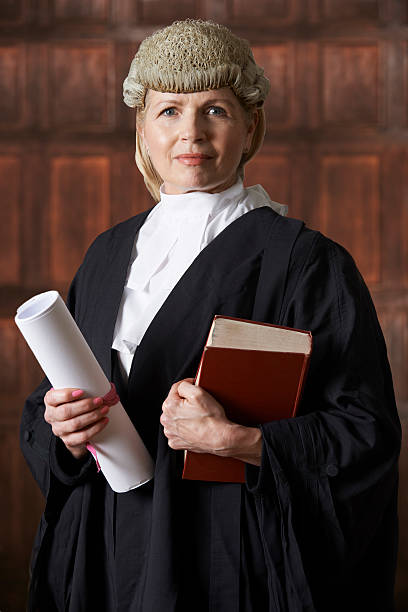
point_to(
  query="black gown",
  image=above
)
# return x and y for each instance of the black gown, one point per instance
(313, 529)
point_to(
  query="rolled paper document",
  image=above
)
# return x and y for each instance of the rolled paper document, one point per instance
(68, 362)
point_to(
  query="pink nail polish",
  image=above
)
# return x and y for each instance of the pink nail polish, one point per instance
(97, 401)
(77, 393)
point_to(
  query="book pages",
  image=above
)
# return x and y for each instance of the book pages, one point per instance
(68, 362)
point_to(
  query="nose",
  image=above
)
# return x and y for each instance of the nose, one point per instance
(192, 128)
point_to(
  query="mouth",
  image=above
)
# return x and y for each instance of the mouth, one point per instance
(193, 159)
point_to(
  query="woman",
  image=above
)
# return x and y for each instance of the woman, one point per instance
(314, 527)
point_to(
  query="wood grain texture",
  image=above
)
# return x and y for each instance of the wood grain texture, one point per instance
(12, 11)
(81, 98)
(350, 90)
(12, 86)
(91, 10)
(404, 225)
(9, 358)
(10, 209)
(79, 210)
(351, 9)
(278, 63)
(394, 323)
(156, 11)
(271, 12)
(273, 173)
(350, 206)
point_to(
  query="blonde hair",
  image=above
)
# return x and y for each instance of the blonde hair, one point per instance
(190, 56)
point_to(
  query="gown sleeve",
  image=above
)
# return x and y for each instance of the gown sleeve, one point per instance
(330, 473)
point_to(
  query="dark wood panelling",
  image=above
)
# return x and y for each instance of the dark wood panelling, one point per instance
(351, 9)
(304, 203)
(92, 10)
(79, 210)
(12, 90)
(10, 540)
(10, 375)
(273, 173)
(405, 81)
(157, 11)
(404, 225)
(394, 175)
(12, 11)
(81, 98)
(10, 178)
(264, 11)
(278, 63)
(350, 207)
(395, 327)
(306, 91)
(350, 90)
(34, 222)
(18, 519)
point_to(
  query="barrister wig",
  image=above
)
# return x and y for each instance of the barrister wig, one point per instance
(190, 56)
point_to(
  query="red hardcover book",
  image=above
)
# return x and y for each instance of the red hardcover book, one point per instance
(256, 371)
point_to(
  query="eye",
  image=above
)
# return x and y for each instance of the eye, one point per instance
(216, 110)
(169, 112)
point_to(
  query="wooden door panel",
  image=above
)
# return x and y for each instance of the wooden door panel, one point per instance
(10, 183)
(350, 208)
(81, 98)
(278, 63)
(91, 10)
(79, 211)
(350, 83)
(13, 103)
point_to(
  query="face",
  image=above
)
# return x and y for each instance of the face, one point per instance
(196, 140)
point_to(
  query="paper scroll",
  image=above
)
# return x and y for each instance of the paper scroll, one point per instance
(68, 362)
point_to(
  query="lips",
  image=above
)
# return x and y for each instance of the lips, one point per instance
(192, 159)
(193, 156)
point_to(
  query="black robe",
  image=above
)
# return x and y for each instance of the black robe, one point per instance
(314, 528)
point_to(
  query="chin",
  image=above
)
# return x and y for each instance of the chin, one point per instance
(182, 185)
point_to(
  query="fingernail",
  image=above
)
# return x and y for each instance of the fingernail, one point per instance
(77, 393)
(97, 401)
(106, 420)
(104, 409)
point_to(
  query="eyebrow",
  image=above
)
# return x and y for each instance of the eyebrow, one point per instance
(177, 101)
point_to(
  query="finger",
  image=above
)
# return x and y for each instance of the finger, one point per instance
(177, 443)
(65, 412)
(54, 397)
(62, 428)
(175, 387)
(79, 438)
(187, 390)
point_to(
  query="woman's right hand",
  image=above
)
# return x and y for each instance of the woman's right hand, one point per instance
(74, 419)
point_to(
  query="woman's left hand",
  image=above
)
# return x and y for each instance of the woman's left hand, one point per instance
(194, 420)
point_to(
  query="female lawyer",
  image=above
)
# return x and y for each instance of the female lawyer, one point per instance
(314, 528)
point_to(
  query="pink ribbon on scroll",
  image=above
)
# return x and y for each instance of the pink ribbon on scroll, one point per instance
(110, 399)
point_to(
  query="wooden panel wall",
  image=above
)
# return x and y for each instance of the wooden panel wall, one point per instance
(336, 152)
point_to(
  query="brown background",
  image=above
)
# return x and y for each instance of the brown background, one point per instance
(336, 152)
